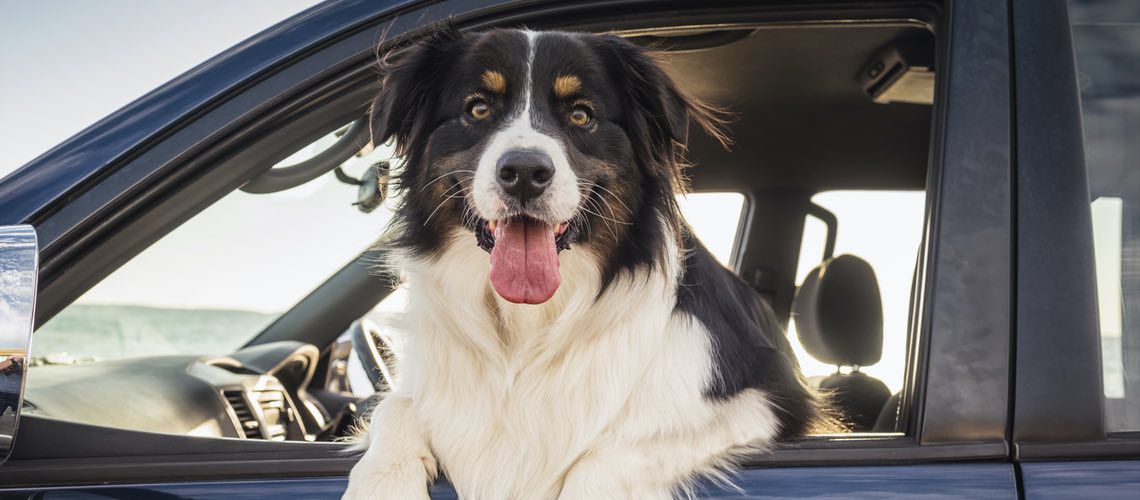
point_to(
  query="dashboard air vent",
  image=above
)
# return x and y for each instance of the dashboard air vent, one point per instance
(275, 412)
(250, 427)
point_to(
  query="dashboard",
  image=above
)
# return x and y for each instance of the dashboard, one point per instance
(259, 392)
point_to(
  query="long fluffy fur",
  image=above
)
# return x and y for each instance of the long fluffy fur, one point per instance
(651, 366)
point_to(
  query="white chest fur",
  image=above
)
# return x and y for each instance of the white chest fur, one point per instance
(519, 401)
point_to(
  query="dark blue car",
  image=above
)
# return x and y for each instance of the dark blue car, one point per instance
(210, 321)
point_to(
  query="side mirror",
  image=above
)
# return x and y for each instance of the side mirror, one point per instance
(19, 268)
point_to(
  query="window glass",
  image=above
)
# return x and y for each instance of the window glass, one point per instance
(1106, 36)
(217, 280)
(883, 228)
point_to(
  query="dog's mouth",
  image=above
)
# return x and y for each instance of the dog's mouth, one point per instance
(524, 256)
(485, 231)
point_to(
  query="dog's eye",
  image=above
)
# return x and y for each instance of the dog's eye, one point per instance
(478, 109)
(580, 116)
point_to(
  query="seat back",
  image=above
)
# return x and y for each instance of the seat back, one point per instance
(838, 312)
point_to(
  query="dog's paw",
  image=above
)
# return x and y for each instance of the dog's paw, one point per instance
(400, 481)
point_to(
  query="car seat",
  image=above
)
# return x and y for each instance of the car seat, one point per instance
(838, 314)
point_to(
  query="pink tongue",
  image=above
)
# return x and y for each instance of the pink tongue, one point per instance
(524, 261)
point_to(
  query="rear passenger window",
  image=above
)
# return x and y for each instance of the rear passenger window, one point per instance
(715, 218)
(1106, 36)
(877, 239)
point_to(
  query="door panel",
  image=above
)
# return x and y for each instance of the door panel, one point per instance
(980, 481)
(1064, 480)
(930, 482)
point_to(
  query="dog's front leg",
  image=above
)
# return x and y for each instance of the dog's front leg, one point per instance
(399, 462)
(616, 474)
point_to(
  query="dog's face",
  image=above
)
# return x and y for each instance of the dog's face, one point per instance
(536, 143)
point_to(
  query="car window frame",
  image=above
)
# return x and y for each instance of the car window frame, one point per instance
(969, 222)
(957, 415)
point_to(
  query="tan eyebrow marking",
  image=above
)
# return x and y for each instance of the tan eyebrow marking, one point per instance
(494, 81)
(566, 85)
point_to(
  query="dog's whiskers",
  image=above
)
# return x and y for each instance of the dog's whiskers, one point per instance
(446, 197)
(598, 206)
(617, 198)
(437, 179)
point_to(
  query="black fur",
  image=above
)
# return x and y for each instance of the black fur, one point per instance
(750, 349)
(649, 94)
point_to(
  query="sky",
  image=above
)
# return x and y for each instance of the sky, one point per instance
(68, 63)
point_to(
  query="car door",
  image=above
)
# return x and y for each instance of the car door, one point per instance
(951, 439)
(1077, 409)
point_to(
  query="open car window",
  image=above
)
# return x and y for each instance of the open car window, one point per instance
(217, 280)
(220, 278)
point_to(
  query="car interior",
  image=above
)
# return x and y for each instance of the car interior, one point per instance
(818, 107)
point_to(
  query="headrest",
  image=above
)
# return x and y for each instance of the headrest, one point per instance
(839, 313)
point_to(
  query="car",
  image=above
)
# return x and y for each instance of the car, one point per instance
(977, 319)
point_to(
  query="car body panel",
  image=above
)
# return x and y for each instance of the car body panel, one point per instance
(982, 481)
(1103, 480)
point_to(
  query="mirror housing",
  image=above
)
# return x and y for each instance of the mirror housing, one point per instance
(19, 269)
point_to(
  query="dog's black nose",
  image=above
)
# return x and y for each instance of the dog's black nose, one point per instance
(525, 174)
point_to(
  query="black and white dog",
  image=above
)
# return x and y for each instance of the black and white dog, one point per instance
(566, 336)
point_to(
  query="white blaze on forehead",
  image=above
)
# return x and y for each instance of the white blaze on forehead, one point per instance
(528, 82)
(560, 200)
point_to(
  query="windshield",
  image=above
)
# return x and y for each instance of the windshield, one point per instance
(216, 281)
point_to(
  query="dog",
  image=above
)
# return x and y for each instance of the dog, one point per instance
(566, 335)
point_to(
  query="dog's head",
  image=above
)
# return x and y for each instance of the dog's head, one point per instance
(535, 143)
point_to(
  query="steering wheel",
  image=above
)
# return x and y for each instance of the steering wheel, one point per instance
(376, 353)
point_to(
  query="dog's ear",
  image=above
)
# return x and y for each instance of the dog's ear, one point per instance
(662, 112)
(409, 82)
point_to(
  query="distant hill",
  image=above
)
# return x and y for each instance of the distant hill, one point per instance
(113, 331)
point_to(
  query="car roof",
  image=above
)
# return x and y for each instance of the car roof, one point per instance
(803, 120)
